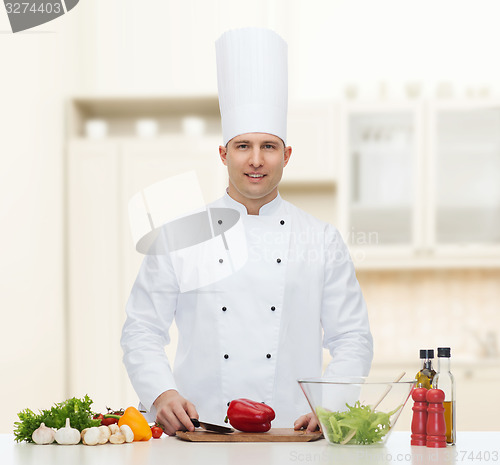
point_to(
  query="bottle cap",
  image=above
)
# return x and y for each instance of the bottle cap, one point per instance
(426, 353)
(444, 352)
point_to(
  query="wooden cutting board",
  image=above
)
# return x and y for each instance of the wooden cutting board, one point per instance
(273, 435)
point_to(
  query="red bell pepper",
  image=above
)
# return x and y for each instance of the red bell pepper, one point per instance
(249, 416)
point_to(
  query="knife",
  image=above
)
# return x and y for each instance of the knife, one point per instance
(211, 427)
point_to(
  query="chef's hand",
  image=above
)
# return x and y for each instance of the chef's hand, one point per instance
(308, 422)
(173, 412)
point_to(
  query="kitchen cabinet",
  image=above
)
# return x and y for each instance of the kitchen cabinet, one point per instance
(471, 377)
(147, 162)
(477, 388)
(117, 147)
(93, 266)
(103, 262)
(309, 179)
(102, 175)
(313, 147)
(464, 178)
(419, 184)
(380, 175)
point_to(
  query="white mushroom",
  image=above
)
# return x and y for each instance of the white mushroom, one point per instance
(91, 436)
(126, 430)
(105, 433)
(117, 438)
(114, 428)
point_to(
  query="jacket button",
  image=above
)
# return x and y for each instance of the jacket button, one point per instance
(268, 355)
(282, 222)
(224, 309)
(273, 308)
(278, 260)
(220, 221)
(226, 356)
(220, 260)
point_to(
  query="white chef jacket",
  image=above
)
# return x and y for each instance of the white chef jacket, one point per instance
(256, 332)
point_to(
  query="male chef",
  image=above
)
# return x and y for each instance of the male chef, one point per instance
(257, 330)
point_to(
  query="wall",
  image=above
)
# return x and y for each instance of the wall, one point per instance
(161, 47)
(156, 48)
(410, 310)
(116, 47)
(36, 70)
(416, 309)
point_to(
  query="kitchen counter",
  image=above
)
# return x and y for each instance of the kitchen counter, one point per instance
(472, 447)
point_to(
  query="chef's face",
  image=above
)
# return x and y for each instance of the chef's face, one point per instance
(255, 163)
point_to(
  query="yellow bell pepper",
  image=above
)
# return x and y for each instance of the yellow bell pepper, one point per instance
(138, 424)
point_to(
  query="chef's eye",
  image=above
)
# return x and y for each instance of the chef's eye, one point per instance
(242, 146)
(269, 146)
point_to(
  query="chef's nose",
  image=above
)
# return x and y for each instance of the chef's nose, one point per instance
(256, 158)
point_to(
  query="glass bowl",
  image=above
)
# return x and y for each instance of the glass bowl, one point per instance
(356, 410)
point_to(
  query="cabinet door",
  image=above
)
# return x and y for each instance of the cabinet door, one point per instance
(477, 387)
(147, 162)
(310, 133)
(93, 270)
(465, 188)
(381, 171)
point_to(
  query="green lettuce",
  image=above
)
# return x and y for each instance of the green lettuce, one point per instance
(369, 426)
(77, 410)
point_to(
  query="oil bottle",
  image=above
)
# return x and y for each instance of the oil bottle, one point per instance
(445, 381)
(426, 374)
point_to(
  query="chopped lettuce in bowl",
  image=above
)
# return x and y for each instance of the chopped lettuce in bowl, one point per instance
(356, 410)
(359, 424)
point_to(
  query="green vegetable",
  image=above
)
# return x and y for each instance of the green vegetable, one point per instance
(370, 426)
(77, 410)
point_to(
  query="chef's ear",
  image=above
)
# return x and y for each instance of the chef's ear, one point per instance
(223, 154)
(287, 154)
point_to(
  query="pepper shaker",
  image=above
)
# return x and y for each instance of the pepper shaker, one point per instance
(436, 426)
(419, 420)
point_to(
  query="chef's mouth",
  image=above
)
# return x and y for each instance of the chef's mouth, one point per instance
(255, 175)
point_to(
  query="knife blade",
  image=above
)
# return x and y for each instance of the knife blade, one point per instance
(211, 427)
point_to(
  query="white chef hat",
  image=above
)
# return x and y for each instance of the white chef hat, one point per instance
(252, 82)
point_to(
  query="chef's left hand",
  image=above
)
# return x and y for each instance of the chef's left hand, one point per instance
(308, 421)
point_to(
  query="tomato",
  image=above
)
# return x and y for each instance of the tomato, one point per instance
(109, 421)
(157, 431)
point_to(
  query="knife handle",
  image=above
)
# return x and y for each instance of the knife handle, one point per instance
(195, 422)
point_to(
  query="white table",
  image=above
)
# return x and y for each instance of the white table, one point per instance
(472, 447)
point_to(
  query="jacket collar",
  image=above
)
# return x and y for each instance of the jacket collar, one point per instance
(267, 209)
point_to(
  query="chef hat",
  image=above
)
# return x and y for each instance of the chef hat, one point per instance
(252, 82)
